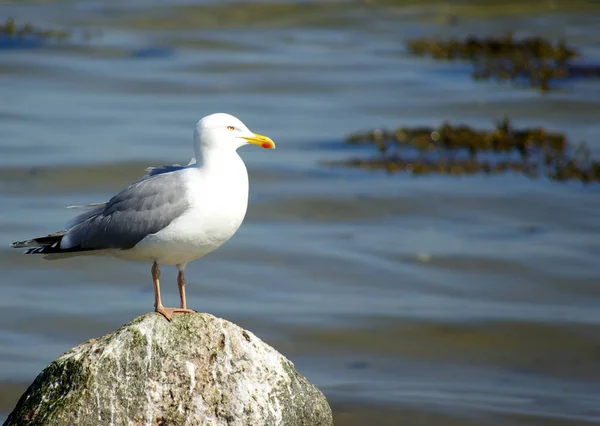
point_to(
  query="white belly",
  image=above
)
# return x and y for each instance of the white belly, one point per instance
(218, 205)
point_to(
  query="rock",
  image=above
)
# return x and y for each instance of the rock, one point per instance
(195, 370)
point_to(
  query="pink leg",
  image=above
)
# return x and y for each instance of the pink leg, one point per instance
(158, 306)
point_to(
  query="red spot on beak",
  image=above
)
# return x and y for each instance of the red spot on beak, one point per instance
(266, 145)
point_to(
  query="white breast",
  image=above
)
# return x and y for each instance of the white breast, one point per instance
(218, 197)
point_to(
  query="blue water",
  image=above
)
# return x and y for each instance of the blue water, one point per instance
(474, 298)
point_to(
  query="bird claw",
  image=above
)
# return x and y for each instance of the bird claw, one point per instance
(169, 312)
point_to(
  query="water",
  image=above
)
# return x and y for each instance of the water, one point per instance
(429, 300)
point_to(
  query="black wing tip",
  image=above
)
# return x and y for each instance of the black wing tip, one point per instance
(49, 244)
(37, 245)
(21, 244)
(35, 250)
(54, 250)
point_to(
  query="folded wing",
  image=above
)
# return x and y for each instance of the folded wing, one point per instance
(142, 209)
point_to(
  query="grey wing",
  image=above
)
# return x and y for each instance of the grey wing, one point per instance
(166, 169)
(91, 210)
(144, 208)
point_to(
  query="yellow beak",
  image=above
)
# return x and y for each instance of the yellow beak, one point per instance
(260, 140)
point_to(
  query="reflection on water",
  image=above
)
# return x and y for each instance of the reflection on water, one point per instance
(407, 300)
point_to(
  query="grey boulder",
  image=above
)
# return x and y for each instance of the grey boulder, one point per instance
(195, 370)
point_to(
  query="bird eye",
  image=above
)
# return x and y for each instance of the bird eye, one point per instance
(230, 128)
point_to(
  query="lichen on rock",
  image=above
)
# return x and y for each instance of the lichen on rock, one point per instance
(195, 370)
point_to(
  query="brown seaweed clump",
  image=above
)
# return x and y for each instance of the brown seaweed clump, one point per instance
(535, 59)
(12, 34)
(462, 150)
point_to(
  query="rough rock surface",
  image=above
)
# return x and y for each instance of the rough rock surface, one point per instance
(195, 370)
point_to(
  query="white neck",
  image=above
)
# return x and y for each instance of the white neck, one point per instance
(215, 158)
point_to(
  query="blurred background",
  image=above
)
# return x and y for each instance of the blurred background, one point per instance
(408, 300)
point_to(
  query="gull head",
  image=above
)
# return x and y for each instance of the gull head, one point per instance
(225, 132)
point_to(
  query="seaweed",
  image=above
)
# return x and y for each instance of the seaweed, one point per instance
(535, 59)
(463, 150)
(26, 35)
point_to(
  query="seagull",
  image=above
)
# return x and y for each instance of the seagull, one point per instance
(171, 216)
